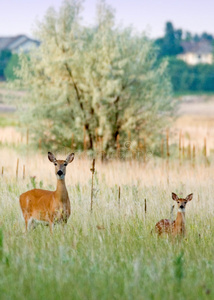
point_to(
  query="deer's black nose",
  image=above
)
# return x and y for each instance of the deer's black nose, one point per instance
(181, 206)
(59, 173)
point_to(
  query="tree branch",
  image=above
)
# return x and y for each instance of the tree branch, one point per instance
(75, 86)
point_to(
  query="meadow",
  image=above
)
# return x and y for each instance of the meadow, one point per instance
(111, 252)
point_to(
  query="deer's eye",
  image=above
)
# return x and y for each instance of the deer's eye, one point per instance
(55, 164)
(65, 164)
(178, 202)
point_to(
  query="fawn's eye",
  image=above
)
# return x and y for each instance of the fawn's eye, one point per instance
(178, 202)
(55, 164)
(65, 164)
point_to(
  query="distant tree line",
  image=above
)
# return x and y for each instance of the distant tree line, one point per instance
(184, 77)
(170, 43)
(187, 78)
(197, 38)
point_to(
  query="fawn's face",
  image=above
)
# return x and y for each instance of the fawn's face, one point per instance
(182, 202)
(60, 165)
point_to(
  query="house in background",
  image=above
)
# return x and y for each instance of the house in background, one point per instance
(17, 44)
(197, 52)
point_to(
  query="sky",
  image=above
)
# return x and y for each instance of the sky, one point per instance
(196, 16)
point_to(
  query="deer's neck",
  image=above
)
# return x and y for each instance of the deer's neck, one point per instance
(61, 193)
(180, 222)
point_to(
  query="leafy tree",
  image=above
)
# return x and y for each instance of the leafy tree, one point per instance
(196, 38)
(103, 78)
(207, 36)
(9, 71)
(188, 36)
(179, 74)
(5, 56)
(170, 44)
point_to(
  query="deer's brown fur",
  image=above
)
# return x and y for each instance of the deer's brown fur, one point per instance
(176, 227)
(48, 206)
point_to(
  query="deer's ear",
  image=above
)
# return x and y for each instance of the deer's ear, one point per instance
(189, 197)
(174, 197)
(51, 157)
(70, 158)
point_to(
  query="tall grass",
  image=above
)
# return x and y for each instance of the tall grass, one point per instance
(110, 253)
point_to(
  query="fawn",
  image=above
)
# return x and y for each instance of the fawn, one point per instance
(47, 206)
(176, 227)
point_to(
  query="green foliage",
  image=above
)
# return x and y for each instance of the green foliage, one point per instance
(185, 78)
(5, 56)
(103, 78)
(33, 183)
(197, 37)
(178, 265)
(191, 78)
(9, 71)
(169, 45)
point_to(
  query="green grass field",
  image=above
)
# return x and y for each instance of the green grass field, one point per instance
(111, 252)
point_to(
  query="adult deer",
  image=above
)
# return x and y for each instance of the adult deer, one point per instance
(47, 206)
(176, 227)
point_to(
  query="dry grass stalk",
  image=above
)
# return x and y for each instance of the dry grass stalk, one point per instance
(92, 182)
(119, 196)
(101, 149)
(193, 156)
(167, 144)
(144, 150)
(17, 168)
(171, 212)
(23, 171)
(183, 152)
(96, 143)
(189, 151)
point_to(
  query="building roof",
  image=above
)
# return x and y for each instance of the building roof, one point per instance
(13, 43)
(201, 47)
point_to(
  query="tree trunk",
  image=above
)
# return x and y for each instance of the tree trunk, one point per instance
(91, 141)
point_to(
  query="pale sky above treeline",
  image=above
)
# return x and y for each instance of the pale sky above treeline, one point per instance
(196, 16)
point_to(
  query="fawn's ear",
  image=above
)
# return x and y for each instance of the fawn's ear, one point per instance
(189, 197)
(174, 197)
(51, 157)
(70, 158)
